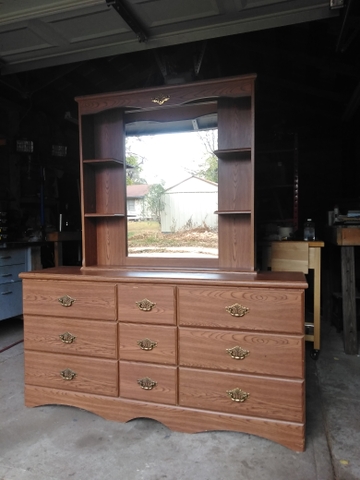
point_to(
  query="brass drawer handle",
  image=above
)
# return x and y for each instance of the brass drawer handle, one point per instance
(237, 310)
(67, 374)
(146, 344)
(145, 305)
(66, 301)
(146, 383)
(237, 353)
(237, 395)
(67, 337)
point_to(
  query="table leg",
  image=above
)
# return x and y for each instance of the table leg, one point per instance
(317, 297)
(349, 300)
(58, 253)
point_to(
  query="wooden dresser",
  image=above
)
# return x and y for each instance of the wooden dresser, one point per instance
(197, 343)
(195, 351)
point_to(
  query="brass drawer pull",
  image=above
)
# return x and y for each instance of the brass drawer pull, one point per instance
(67, 374)
(238, 395)
(146, 344)
(146, 383)
(237, 353)
(66, 301)
(237, 310)
(145, 305)
(67, 337)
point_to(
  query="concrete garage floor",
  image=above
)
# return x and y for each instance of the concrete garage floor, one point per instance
(57, 442)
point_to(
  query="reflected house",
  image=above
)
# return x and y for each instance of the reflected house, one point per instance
(190, 204)
(136, 202)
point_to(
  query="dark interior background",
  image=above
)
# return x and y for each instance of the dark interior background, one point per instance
(307, 108)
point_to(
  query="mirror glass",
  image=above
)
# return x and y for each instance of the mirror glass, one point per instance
(172, 190)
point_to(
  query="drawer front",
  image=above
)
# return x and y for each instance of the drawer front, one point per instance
(96, 376)
(147, 343)
(12, 257)
(157, 304)
(164, 391)
(259, 353)
(10, 273)
(272, 310)
(268, 397)
(10, 300)
(75, 337)
(94, 301)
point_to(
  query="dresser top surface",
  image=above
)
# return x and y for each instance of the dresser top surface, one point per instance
(245, 279)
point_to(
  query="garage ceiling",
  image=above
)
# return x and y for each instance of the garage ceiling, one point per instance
(304, 52)
(43, 33)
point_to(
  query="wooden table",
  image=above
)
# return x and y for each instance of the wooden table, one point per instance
(347, 237)
(301, 256)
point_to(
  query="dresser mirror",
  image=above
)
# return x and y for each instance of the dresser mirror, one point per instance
(170, 199)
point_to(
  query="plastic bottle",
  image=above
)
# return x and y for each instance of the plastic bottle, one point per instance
(309, 230)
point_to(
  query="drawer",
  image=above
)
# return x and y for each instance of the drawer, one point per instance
(254, 353)
(273, 310)
(10, 273)
(158, 303)
(92, 375)
(268, 398)
(79, 337)
(147, 343)
(10, 300)
(12, 257)
(165, 379)
(94, 301)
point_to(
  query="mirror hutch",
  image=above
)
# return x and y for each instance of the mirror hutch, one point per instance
(195, 343)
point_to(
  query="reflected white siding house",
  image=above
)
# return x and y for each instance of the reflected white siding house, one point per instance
(189, 204)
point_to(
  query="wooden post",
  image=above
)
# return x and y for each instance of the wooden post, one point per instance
(348, 298)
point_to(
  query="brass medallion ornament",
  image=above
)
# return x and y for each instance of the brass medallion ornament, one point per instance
(237, 353)
(66, 301)
(238, 395)
(161, 99)
(146, 344)
(67, 337)
(146, 383)
(67, 374)
(237, 310)
(145, 305)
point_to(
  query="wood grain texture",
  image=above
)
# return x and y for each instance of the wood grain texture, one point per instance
(93, 338)
(92, 300)
(271, 310)
(164, 352)
(181, 419)
(165, 390)
(111, 250)
(232, 87)
(268, 397)
(275, 355)
(93, 375)
(164, 311)
(236, 248)
(235, 185)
